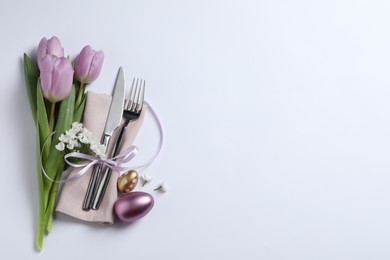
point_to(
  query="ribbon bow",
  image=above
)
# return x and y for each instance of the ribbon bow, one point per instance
(115, 163)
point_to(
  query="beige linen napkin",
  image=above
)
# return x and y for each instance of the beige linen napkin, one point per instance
(73, 192)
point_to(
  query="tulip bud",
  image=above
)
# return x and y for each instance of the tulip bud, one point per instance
(49, 47)
(88, 64)
(56, 78)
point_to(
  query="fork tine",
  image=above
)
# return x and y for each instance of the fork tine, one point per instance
(134, 97)
(141, 100)
(129, 95)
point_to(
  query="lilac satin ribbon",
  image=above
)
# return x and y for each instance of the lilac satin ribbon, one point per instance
(115, 163)
(161, 138)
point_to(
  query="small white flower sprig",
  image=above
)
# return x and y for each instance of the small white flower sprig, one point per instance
(162, 187)
(80, 139)
(145, 179)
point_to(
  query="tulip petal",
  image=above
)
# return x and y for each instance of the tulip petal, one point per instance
(49, 47)
(42, 48)
(62, 79)
(54, 47)
(82, 63)
(42, 51)
(46, 75)
(88, 64)
(56, 78)
(96, 66)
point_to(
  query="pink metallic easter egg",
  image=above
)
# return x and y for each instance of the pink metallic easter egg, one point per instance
(133, 206)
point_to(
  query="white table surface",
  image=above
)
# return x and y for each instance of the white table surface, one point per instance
(277, 123)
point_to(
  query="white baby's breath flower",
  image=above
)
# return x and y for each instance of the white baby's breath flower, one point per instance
(77, 136)
(63, 138)
(100, 151)
(97, 148)
(92, 146)
(76, 126)
(71, 134)
(163, 187)
(74, 142)
(145, 178)
(60, 146)
(83, 138)
(86, 132)
(101, 155)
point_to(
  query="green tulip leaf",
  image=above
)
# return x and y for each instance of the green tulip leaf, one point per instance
(41, 197)
(54, 164)
(43, 133)
(53, 196)
(43, 123)
(65, 114)
(79, 111)
(31, 75)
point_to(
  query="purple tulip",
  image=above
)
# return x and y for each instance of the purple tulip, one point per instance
(49, 47)
(56, 78)
(88, 64)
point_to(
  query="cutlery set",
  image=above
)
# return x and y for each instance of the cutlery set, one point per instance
(130, 111)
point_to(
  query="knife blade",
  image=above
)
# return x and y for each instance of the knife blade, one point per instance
(113, 121)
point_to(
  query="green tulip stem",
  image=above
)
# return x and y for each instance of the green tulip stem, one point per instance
(42, 206)
(51, 118)
(80, 94)
(51, 204)
(81, 89)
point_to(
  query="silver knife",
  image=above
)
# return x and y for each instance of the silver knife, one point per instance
(114, 119)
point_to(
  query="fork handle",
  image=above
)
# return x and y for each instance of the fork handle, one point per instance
(118, 142)
(101, 190)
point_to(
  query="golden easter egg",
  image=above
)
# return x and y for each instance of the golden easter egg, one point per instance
(128, 181)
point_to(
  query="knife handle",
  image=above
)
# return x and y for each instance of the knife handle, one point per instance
(101, 190)
(91, 187)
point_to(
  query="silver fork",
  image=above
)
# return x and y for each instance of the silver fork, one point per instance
(133, 108)
(132, 111)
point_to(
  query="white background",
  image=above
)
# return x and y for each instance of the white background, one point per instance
(277, 122)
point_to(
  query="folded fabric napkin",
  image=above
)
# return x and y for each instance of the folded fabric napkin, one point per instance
(73, 192)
